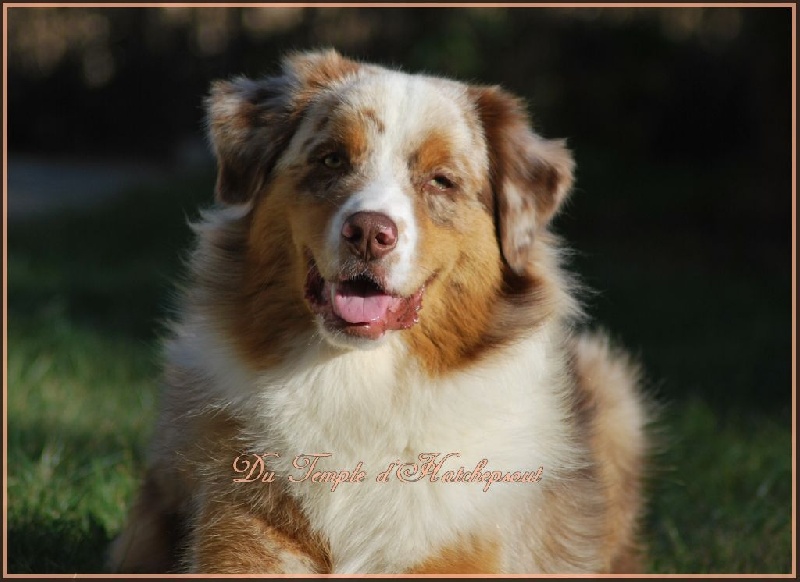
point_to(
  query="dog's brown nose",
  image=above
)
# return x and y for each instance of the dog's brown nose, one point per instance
(370, 235)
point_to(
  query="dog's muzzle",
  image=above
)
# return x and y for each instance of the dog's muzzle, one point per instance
(356, 301)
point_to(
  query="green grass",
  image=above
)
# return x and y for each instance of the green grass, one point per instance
(722, 495)
(86, 292)
(79, 404)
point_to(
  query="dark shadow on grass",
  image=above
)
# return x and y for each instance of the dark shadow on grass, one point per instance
(111, 267)
(50, 546)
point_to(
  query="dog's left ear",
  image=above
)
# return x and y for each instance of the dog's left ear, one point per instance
(530, 176)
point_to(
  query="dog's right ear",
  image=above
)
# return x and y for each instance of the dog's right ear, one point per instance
(247, 125)
(251, 122)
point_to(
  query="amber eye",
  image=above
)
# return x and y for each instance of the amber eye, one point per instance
(441, 182)
(333, 161)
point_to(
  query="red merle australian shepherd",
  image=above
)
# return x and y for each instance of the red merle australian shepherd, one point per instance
(375, 367)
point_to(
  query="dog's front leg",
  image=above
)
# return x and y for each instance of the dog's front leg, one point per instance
(229, 538)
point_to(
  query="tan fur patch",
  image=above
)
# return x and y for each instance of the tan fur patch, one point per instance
(351, 132)
(470, 556)
(373, 117)
(479, 304)
(232, 527)
(234, 539)
(269, 312)
(457, 306)
(258, 528)
(316, 71)
(246, 274)
(434, 152)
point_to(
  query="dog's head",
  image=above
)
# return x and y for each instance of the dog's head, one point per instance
(382, 192)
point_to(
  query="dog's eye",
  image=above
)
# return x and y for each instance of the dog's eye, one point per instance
(441, 182)
(333, 161)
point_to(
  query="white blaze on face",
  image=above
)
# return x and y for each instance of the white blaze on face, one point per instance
(383, 194)
(387, 188)
(409, 109)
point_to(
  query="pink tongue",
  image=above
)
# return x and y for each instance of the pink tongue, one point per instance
(354, 308)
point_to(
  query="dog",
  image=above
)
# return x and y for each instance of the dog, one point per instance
(376, 365)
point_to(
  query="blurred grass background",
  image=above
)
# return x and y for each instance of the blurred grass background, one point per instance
(680, 121)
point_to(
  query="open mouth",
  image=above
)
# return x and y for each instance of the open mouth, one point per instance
(360, 306)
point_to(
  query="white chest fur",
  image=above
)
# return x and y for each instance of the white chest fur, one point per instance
(367, 412)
